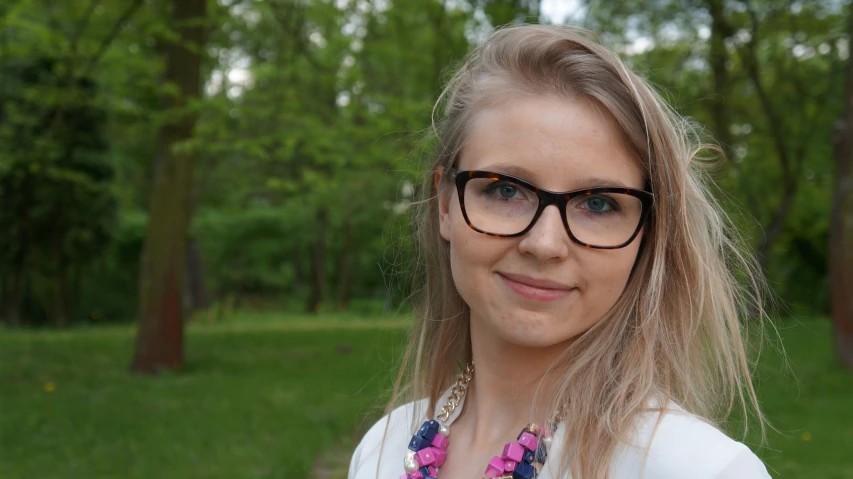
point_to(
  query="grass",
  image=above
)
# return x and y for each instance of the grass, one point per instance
(811, 406)
(273, 397)
(252, 402)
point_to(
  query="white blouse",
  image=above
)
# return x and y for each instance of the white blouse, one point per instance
(682, 446)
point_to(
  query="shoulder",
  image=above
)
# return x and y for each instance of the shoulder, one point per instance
(381, 450)
(680, 444)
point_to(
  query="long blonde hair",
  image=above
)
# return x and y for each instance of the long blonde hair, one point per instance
(675, 334)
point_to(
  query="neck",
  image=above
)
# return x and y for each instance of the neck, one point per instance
(512, 387)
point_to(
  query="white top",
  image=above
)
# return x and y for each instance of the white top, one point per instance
(683, 446)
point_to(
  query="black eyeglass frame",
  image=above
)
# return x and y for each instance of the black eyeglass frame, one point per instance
(547, 198)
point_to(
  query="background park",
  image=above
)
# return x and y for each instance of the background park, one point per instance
(204, 266)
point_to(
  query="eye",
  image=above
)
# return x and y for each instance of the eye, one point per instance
(505, 190)
(599, 204)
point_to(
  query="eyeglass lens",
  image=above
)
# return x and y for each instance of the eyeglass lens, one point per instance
(505, 207)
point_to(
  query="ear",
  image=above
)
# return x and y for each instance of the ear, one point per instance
(443, 204)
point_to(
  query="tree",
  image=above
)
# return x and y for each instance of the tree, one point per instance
(322, 135)
(763, 76)
(58, 205)
(841, 226)
(159, 341)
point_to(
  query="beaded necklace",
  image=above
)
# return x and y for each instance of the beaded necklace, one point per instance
(521, 459)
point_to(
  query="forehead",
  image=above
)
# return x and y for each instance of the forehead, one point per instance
(558, 144)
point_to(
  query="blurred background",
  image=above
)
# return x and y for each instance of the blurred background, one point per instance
(204, 208)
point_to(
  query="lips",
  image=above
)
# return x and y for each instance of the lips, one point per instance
(535, 289)
(536, 283)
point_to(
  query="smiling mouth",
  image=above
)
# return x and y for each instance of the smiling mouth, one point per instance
(535, 293)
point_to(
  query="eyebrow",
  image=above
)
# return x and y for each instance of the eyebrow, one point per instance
(525, 174)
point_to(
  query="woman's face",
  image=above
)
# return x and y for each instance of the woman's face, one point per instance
(557, 145)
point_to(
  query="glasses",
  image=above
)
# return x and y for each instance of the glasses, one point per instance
(604, 217)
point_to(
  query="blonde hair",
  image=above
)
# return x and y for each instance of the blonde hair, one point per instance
(675, 334)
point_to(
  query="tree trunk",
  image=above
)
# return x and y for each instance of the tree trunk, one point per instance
(297, 268)
(75, 289)
(16, 281)
(318, 264)
(719, 58)
(5, 301)
(195, 277)
(841, 224)
(13, 294)
(344, 280)
(60, 294)
(4, 280)
(159, 340)
(790, 164)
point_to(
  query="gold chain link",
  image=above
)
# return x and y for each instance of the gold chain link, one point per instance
(457, 393)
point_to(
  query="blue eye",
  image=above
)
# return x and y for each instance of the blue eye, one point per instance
(600, 205)
(505, 190)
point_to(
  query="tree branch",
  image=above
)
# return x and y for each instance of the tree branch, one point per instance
(777, 129)
(721, 30)
(778, 133)
(107, 41)
(60, 111)
(81, 26)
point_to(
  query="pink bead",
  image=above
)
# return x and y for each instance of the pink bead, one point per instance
(416, 475)
(405, 476)
(496, 467)
(431, 471)
(528, 440)
(513, 451)
(510, 466)
(440, 456)
(425, 457)
(440, 441)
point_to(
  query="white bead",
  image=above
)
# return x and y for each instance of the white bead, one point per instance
(409, 461)
(443, 430)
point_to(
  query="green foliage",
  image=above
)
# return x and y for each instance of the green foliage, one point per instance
(55, 183)
(779, 97)
(321, 139)
(308, 142)
(108, 293)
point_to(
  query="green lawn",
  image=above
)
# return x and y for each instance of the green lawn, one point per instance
(811, 405)
(272, 397)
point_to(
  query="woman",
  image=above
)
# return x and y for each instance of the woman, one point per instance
(607, 312)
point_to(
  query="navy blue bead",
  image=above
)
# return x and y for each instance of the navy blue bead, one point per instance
(541, 453)
(417, 443)
(425, 471)
(428, 430)
(529, 456)
(524, 471)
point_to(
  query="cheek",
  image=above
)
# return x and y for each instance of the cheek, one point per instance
(472, 257)
(608, 275)
(467, 255)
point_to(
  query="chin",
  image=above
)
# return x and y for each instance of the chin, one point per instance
(537, 342)
(532, 330)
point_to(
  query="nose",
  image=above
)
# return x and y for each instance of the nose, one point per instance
(547, 239)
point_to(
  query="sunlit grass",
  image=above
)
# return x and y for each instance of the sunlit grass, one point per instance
(276, 397)
(251, 402)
